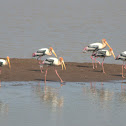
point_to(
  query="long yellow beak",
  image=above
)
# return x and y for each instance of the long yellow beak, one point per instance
(54, 53)
(113, 55)
(107, 44)
(8, 60)
(64, 65)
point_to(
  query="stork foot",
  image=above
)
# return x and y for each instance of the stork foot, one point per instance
(41, 68)
(96, 67)
(104, 72)
(123, 77)
(62, 81)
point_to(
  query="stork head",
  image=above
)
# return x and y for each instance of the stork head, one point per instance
(8, 60)
(51, 50)
(33, 54)
(111, 51)
(85, 49)
(104, 41)
(62, 63)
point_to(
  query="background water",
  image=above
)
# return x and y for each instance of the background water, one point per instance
(34, 104)
(67, 26)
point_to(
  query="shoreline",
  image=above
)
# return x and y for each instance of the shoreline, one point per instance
(29, 70)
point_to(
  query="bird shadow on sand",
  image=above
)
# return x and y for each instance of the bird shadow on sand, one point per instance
(98, 71)
(84, 66)
(35, 70)
(117, 75)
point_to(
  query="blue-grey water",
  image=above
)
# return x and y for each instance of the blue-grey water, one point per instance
(73, 104)
(66, 25)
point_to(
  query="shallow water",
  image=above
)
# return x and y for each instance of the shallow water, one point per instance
(34, 104)
(67, 26)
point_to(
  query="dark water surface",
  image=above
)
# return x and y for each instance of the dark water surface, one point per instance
(73, 104)
(67, 26)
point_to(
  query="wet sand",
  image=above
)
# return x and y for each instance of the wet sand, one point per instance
(29, 70)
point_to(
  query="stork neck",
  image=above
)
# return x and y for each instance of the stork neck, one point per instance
(103, 44)
(50, 53)
(6, 63)
(110, 53)
(59, 63)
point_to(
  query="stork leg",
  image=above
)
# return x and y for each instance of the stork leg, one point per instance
(92, 62)
(95, 63)
(102, 65)
(58, 76)
(46, 74)
(0, 70)
(39, 58)
(40, 63)
(41, 68)
(125, 66)
(122, 69)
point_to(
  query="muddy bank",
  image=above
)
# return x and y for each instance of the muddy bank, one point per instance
(29, 70)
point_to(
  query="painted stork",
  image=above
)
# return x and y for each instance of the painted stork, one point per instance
(42, 52)
(103, 54)
(4, 62)
(94, 47)
(122, 57)
(51, 61)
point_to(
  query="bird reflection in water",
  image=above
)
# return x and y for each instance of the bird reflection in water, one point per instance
(98, 94)
(3, 108)
(122, 96)
(106, 96)
(50, 96)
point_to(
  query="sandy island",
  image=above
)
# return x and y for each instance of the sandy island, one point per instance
(29, 70)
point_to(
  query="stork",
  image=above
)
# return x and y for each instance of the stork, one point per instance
(94, 47)
(4, 62)
(103, 54)
(42, 52)
(122, 57)
(51, 61)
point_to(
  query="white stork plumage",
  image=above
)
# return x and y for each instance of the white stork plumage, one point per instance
(42, 52)
(94, 47)
(51, 61)
(122, 57)
(4, 62)
(103, 54)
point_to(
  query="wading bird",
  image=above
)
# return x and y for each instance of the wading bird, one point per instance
(94, 47)
(122, 57)
(42, 52)
(51, 61)
(103, 54)
(4, 62)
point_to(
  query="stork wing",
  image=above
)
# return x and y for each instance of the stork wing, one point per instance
(101, 53)
(49, 61)
(41, 51)
(93, 47)
(1, 63)
(123, 54)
